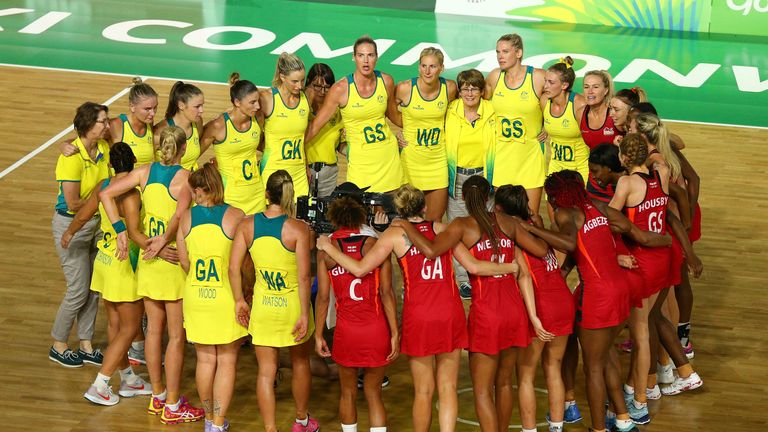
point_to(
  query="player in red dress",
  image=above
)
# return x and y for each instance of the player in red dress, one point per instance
(596, 124)
(366, 334)
(499, 314)
(434, 329)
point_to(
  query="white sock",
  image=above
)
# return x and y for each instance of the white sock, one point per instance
(529, 430)
(555, 424)
(349, 427)
(162, 395)
(379, 429)
(101, 382)
(639, 405)
(138, 345)
(629, 389)
(127, 375)
(623, 424)
(174, 406)
(303, 422)
(569, 403)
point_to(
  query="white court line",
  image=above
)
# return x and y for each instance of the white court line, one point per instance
(56, 137)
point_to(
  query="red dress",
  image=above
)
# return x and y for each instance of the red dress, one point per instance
(603, 134)
(433, 314)
(362, 336)
(497, 317)
(650, 215)
(555, 304)
(603, 295)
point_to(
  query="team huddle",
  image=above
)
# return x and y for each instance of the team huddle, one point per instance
(215, 255)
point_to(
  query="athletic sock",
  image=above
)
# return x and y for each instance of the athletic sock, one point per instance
(554, 426)
(530, 430)
(127, 375)
(349, 427)
(569, 403)
(628, 389)
(623, 417)
(683, 331)
(162, 396)
(303, 422)
(138, 345)
(101, 382)
(379, 429)
(174, 406)
(638, 404)
(685, 370)
(623, 424)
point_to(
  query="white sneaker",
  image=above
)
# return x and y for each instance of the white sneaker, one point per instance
(683, 384)
(654, 393)
(664, 374)
(102, 398)
(137, 388)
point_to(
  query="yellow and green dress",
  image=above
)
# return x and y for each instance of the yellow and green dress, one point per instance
(424, 159)
(192, 153)
(209, 306)
(569, 151)
(238, 165)
(113, 278)
(142, 145)
(519, 156)
(276, 305)
(372, 150)
(284, 130)
(159, 279)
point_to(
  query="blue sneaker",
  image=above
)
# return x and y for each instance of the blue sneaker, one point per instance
(572, 414)
(465, 291)
(639, 416)
(67, 359)
(610, 419)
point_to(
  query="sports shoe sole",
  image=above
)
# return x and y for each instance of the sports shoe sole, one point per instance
(134, 393)
(53, 359)
(644, 420)
(693, 386)
(180, 421)
(91, 362)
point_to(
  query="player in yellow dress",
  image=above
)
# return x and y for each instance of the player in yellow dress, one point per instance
(364, 98)
(286, 113)
(185, 110)
(514, 90)
(563, 109)
(165, 196)
(235, 136)
(321, 151)
(423, 103)
(281, 315)
(205, 241)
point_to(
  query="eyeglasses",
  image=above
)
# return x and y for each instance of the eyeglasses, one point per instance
(470, 90)
(319, 87)
(103, 121)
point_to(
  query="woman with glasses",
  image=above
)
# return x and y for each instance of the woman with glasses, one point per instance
(321, 151)
(423, 102)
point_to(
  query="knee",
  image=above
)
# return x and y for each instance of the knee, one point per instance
(424, 390)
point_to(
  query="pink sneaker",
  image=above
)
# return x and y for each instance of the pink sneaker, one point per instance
(185, 414)
(312, 426)
(626, 346)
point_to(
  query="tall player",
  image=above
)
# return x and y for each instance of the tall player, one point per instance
(514, 90)
(596, 124)
(364, 98)
(185, 110)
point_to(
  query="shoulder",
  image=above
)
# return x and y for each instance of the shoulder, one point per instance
(387, 78)
(217, 123)
(493, 76)
(579, 100)
(157, 128)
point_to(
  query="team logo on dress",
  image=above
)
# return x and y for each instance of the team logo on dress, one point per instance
(357, 105)
(282, 115)
(499, 94)
(524, 95)
(566, 123)
(302, 112)
(418, 108)
(236, 141)
(333, 121)
(608, 131)
(380, 99)
(254, 134)
(440, 105)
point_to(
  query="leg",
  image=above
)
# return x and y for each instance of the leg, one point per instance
(86, 316)
(526, 376)
(436, 201)
(153, 345)
(447, 378)
(127, 315)
(267, 358)
(301, 379)
(534, 199)
(684, 295)
(348, 397)
(552, 362)
(377, 414)
(224, 380)
(504, 390)
(570, 363)
(482, 368)
(174, 351)
(423, 373)
(204, 373)
(641, 351)
(457, 208)
(595, 344)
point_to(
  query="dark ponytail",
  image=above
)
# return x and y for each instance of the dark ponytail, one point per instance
(476, 190)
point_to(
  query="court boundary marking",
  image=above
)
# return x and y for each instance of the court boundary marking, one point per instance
(122, 93)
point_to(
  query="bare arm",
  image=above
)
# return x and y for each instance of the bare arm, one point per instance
(83, 215)
(621, 224)
(393, 99)
(481, 267)
(565, 239)
(695, 265)
(389, 304)
(512, 227)
(181, 244)
(303, 270)
(680, 195)
(215, 131)
(321, 306)
(526, 290)
(692, 179)
(332, 102)
(240, 246)
(373, 258)
(490, 83)
(444, 241)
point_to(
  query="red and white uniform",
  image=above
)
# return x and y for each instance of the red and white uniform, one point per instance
(433, 314)
(362, 335)
(650, 215)
(555, 305)
(497, 317)
(603, 295)
(594, 137)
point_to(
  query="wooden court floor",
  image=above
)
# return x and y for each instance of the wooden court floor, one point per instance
(729, 319)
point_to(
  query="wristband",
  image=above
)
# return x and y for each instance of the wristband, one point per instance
(118, 226)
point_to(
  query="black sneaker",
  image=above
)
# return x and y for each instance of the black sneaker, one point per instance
(67, 359)
(465, 291)
(94, 357)
(384, 382)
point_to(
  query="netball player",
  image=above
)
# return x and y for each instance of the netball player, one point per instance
(434, 328)
(366, 334)
(281, 316)
(185, 110)
(115, 280)
(364, 97)
(165, 196)
(619, 107)
(321, 151)
(77, 178)
(235, 136)
(563, 110)
(204, 241)
(286, 113)
(423, 103)
(514, 90)
(596, 124)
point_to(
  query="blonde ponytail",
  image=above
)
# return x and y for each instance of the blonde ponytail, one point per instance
(173, 142)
